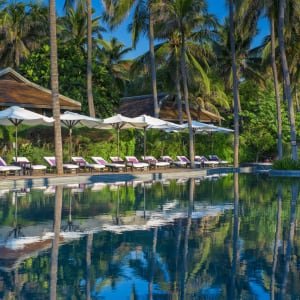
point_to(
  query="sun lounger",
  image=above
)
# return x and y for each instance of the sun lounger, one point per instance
(216, 158)
(114, 167)
(185, 160)
(28, 167)
(85, 165)
(205, 162)
(6, 169)
(175, 163)
(155, 163)
(133, 163)
(68, 168)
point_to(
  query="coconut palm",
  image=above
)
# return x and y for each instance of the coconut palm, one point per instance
(271, 12)
(54, 89)
(185, 16)
(235, 84)
(78, 26)
(22, 29)
(111, 54)
(286, 79)
(143, 20)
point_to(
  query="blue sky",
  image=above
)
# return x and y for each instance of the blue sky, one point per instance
(216, 7)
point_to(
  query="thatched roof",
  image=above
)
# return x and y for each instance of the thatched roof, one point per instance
(138, 105)
(17, 90)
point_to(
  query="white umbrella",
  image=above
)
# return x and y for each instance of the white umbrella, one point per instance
(214, 129)
(119, 122)
(153, 123)
(71, 119)
(197, 126)
(16, 115)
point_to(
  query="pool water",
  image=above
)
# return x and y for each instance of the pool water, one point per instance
(220, 237)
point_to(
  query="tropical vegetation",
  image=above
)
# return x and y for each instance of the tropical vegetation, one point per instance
(192, 56)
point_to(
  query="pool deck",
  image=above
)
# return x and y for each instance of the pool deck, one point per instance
(26, 181)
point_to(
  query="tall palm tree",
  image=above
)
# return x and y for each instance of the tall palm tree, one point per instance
(54, 89)
(79, 22)
(89, 60)
(272, 12)
(22, 30)
(185, 16)
(235, 86)
(143, 19)
(286, 79)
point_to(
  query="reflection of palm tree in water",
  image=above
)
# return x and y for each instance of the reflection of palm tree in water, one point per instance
(118, 219)
(186, 240)
(277, 243)
(70, 227)
(235, 240)
(16, 231)
(290, 241)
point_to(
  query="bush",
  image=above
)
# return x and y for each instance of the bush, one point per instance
(286, 164)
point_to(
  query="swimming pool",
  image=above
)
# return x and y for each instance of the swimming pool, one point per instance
(212, 237)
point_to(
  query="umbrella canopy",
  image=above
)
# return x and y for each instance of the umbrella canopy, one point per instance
(215, 129)
(212, 130)
(119, 122)
(71, 119)
(154, 123)
(197, 126)
(16, 115)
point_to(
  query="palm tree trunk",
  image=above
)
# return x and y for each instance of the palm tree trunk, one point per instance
(186, 101)
(235, 87)
(89, 60)
(178, 93)
(276, 88)
(54, 90)
(152, 62)
(287, 82)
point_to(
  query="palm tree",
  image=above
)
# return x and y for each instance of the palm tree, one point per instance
(235, 86)
(111, 54)
(22, 30)
(54, 89)
(271, 12)
(185, 16)
(286, 79)
(143, 19)
(79, 25)
(89, 60)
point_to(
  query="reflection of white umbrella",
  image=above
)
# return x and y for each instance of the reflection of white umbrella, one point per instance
(71, 119)
(153, 123)
(16, 115)
(119, 122)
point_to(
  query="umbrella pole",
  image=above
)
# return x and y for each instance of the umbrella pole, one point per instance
(70, 137)
(145, 142)
(118, 141)
(16, 144)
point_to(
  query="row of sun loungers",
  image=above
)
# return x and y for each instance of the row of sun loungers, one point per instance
(23, 166)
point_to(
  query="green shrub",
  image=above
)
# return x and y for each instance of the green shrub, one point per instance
(286, 164)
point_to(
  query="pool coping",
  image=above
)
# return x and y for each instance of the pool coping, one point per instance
(17, 182)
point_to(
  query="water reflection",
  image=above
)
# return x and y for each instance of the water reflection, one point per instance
(232, 237)
(55, 242)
